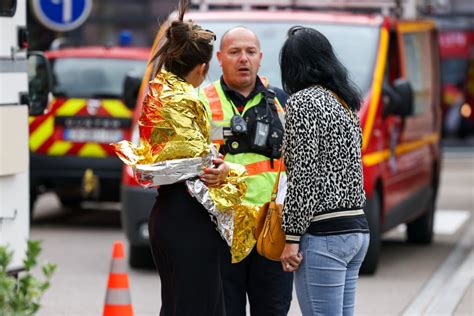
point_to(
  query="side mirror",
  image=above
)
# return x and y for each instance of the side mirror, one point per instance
(39, 82)
(130, 89)
(398, 99)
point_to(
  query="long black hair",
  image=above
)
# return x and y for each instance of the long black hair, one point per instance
(307, 59)
(186, 45)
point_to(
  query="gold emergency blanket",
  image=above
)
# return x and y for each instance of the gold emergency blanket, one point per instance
(175, 146)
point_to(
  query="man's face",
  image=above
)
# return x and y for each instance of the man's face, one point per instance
(240, 57)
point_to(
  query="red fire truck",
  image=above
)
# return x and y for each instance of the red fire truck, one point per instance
(69, 145)
(394, 61)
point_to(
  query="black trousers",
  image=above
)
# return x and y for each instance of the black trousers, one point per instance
(186, 249)
(268, 287)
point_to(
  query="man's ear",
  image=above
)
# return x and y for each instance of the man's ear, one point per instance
(219, 57)
(260, 59)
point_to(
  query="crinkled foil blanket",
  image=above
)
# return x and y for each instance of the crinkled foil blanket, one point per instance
(234, 221)
(175, 147)
(235, 225)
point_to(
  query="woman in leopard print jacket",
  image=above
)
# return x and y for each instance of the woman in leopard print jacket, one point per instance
(326, 229)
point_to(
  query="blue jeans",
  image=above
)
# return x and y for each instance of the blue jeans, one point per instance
(327, 277)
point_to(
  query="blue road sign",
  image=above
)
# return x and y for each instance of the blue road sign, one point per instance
(62, 15)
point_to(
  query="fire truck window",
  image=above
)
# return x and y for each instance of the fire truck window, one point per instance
(355, 45)
(92, 77)
(7, 7)
(418, 62)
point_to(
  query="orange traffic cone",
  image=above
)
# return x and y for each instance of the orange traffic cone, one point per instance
(117, 299)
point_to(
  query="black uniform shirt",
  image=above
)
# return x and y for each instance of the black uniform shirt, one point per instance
(240, 101)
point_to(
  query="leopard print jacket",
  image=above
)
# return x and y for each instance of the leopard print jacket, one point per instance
(322, 154)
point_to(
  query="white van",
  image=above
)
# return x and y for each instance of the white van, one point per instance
(18, 74)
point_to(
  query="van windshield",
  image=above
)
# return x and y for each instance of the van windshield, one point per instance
(355, 46)
(92, 77)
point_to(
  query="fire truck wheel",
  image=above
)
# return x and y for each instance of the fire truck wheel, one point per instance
(420, 231)
(140, 257)
(372, 212)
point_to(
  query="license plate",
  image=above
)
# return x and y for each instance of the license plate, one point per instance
(95, 135)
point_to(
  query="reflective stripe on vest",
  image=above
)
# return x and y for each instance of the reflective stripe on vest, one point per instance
(261, 176)
(217, 114)
(214, 102)
(214, 95)
(263, 166)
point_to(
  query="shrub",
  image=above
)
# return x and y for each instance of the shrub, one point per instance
(20, 295)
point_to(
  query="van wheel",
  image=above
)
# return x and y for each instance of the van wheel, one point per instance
(372, 213)
(140, 257)
(420, 231)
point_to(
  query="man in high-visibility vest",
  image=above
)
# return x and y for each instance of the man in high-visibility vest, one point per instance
(247, 121)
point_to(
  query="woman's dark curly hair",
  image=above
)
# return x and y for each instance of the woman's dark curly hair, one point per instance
(186, 45)
(307, 59)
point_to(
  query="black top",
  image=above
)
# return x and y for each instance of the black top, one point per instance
(353, 224)
(240, 101)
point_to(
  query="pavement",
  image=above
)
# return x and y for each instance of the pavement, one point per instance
(466, 306)
(464, 285)
(411, 280)
(461, 144)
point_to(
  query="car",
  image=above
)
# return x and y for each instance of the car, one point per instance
(69, 144)
(394, 62)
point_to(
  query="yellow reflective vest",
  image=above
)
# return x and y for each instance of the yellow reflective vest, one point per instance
(262, 176)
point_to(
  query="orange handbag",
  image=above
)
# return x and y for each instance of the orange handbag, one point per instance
(268, 232)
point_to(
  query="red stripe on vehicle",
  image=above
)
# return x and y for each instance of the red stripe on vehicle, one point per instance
(45, 146)
(82, 111)
(103, 111)
(110, 151)
(76, 147)
(40, 119)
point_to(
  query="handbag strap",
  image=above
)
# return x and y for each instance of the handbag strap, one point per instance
(343, 103)
(346, 106)
(277, 181)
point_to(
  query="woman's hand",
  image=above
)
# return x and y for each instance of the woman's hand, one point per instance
(291, 257)
(216, 176)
